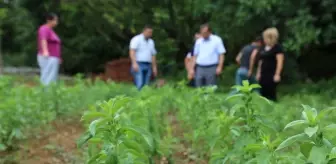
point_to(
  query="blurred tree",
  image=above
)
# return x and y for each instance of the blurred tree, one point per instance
(3, 14)
(94, 32)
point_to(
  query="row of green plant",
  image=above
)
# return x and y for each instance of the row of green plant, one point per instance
(176, 124)
(24, 109)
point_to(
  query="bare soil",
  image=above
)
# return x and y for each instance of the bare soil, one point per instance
(55, 147)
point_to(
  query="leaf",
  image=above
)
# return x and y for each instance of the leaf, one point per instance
(305, 149)
(324, 112)
(131, 144)
(330, 127)
(310, 131)
(264, 157)
(291, 140)
(332, 154)
(218, 158)
(94, 159)
(83, 139)
(254, 147)
(327, 142)
(255, 86)
(264, 99)
(234, 97)
(93, 126)
(89, 116)
(309, 114)
(145, 135)
(295, 123)
(246, 83)
(318, 155)
(212, 143)
(111, 156)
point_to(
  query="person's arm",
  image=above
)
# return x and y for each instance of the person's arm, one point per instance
(194, 57)
(252, 61)
(154, 63)
(187, 62)
(279, 63)
(221, 51)
(259, 70)
(239, 57)
(132, 51)
(44, 34)
(221, 61)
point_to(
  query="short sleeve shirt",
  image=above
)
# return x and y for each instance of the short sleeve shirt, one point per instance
(144, 48)
(207, 51)
(190, 53)
(268, 58)
(246, 55)
(53, 41)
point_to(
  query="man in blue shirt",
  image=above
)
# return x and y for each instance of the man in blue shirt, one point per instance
(208, 58)
(143, 57)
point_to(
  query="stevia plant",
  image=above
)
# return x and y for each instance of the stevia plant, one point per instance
(247, 109)
(112, 137)
(314, 144)
(252, 134)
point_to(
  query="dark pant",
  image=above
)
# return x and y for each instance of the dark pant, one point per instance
(191, 83)
(206, 74)
(268, 86)
(143, 75)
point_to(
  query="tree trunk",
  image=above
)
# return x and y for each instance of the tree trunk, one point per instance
(1, 61)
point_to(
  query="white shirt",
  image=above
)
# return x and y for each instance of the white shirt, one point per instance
(207, 51)
(144, 48)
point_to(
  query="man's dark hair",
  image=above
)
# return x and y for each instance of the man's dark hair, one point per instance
(259, 39)
(147, 27)
(206, 25)
(50, 16)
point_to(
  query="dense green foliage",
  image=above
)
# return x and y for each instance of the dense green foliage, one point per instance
(26, 107)
(178, 124)
(94, 32)
(160, 124)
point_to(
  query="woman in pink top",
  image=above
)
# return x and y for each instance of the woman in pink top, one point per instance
(49, 50)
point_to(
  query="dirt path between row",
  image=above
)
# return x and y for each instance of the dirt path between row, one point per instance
(57, 147)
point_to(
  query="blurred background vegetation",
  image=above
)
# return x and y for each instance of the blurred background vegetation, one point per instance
(96, 31)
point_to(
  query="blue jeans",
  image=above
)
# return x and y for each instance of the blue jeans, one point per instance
(49, 67)
(241, 75)
(143, 75)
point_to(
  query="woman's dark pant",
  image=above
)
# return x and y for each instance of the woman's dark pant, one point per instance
(268, 86)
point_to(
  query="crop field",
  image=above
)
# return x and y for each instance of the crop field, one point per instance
(109, 123)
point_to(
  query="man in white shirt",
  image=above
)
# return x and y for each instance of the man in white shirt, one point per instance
(143, 57)
(208, 58)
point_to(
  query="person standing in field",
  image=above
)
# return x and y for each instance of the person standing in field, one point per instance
(246, 60)
(270, 64)
(208, 59)
(143, 57)
(188, 62)
(49, 50)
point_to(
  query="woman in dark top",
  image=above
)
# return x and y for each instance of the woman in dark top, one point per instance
(270, 64)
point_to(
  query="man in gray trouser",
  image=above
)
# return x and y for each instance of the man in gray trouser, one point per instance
(208, 57)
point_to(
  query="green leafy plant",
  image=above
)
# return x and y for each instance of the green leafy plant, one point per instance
(313, 143)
